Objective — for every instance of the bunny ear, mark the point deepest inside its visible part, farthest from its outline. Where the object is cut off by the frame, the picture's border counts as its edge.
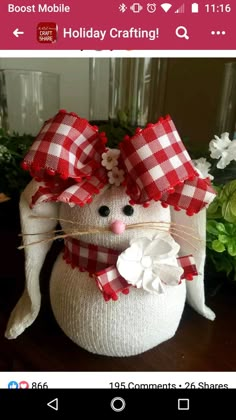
(195, 288)
(27, 308)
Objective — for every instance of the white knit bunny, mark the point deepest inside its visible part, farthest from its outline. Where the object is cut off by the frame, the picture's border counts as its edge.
(119, 288)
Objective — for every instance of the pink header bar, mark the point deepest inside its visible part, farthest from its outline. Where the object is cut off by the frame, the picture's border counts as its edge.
(117, 25)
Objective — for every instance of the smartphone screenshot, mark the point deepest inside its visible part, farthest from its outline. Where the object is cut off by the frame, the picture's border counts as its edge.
(117, 207)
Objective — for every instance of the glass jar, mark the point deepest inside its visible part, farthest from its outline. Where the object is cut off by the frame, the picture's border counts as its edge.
(98, 89)
(133, 86)
(27, 99)
(226, 115)
(137, 88)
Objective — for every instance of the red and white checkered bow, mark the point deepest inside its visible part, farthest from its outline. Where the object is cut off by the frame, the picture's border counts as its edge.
(67, 154)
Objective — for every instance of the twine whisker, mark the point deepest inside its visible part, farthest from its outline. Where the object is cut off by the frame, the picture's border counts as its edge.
(197, 238)
(75, 233)
(156, 226)
(185, 240)
(159, 226)
(99, 230)
(41, 233)
(178, 236)
(163, 223)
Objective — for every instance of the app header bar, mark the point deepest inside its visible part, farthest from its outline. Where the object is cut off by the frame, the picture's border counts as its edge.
(117, 25)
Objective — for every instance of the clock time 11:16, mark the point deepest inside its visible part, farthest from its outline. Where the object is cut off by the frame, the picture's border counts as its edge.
(218, 8)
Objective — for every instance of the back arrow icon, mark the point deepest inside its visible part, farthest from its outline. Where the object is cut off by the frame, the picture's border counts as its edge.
(53, 404)
(16, 32)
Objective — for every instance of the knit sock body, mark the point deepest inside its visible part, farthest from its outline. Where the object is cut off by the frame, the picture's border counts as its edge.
(135, 322)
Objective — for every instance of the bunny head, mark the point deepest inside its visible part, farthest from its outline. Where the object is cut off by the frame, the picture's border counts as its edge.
(111, 221)
(133, 223)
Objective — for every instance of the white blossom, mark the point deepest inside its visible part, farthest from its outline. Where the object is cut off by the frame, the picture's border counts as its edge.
(224, 149)
(203, 168)
(116, 176)
(151, 263)
(110, 158)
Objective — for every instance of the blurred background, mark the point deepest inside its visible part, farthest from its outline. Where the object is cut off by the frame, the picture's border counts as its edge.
(199, 93)
(118, 95)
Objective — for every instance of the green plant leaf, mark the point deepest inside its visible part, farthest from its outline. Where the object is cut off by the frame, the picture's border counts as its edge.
(224, 239)
(227, 212)
(231, 247)
(12, 178)
(221, 227)
(227, 198)
(211, 227)
(230, 229)
(214, 210)
(218, 246)
(227, 190)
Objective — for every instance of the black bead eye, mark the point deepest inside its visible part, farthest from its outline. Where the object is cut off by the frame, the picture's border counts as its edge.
(128, 210)
(104, 211)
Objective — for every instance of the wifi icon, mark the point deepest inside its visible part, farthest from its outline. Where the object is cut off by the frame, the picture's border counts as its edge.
(166, 7)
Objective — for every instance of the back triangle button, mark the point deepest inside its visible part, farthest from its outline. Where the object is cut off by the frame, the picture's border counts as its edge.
(53, 404)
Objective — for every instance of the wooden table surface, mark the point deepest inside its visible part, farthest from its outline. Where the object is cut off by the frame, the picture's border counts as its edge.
(199, 344)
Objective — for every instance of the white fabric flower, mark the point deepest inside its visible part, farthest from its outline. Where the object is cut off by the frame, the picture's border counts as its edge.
(203, 167)
(218, 145)
(224, 149)
(116, 176)
(232, 149)
(150, 263)
(110, 158)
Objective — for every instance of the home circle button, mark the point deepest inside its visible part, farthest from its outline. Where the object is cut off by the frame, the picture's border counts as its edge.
(118, 404)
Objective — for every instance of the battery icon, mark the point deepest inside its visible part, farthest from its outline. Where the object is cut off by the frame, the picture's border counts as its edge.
(194, 8)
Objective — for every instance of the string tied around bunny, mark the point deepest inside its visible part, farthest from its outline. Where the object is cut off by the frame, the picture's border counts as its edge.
(70, 159)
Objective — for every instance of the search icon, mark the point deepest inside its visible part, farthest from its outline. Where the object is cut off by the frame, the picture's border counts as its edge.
(182, 32)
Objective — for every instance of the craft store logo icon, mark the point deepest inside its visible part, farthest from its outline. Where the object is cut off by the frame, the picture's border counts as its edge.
(47, 32)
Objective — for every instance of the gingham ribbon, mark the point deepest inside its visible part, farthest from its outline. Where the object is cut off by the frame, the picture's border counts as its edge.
(66, 158)
(100, 262)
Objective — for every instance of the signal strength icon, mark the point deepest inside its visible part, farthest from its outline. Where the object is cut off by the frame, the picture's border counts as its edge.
(181, 9)
(166, 7)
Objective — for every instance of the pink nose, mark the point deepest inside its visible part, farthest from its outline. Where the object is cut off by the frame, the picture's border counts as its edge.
(118, 227)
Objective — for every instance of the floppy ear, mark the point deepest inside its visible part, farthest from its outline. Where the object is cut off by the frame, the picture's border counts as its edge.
(195, 288)
(27, 308)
